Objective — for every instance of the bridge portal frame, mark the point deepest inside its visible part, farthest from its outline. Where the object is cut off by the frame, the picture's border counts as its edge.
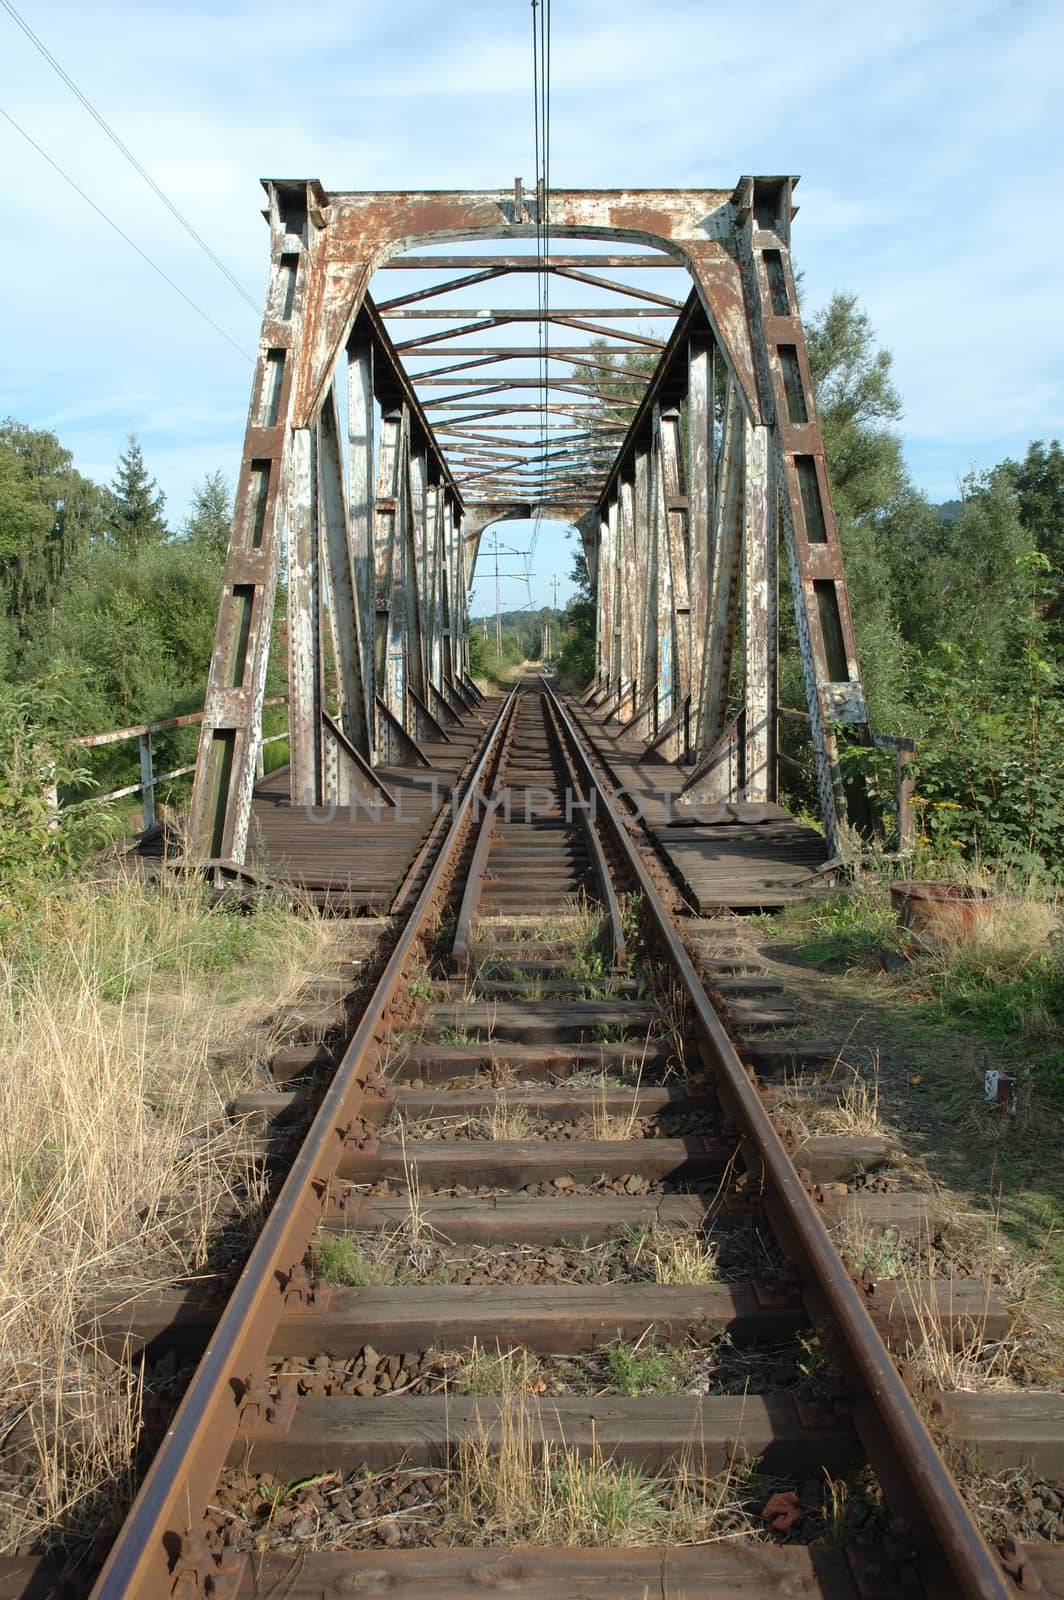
(723, 456)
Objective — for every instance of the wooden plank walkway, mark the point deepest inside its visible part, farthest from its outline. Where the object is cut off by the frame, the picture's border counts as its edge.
(353, 860)
(728, 864)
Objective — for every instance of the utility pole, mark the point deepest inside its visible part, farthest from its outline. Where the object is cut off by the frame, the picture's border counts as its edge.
(498, 613)
(554, 613)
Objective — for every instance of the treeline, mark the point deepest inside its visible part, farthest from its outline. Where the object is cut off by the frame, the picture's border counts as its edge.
(525, 635)
(108, 612)
(959, 615)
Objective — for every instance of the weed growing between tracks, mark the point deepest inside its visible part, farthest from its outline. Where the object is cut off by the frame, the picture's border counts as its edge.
(508, 1489)
(118, 1165)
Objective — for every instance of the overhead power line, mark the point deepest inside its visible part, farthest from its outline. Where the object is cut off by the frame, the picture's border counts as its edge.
(541, 129)
(111, 223)
(130, 157)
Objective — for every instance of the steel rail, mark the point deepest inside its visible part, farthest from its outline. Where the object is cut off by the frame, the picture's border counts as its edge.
(955, 1558)
(594, 844)
(179, 1482)
(474, 885)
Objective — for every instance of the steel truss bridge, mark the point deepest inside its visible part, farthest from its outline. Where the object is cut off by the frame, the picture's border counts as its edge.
(377, 453)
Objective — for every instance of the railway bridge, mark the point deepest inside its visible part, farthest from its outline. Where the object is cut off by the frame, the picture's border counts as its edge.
(549, 1228)
(385, 435)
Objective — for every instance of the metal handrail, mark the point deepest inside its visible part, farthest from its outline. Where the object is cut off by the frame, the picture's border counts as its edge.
(149, 778)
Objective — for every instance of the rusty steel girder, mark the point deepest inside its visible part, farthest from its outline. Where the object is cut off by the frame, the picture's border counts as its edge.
(680, 512)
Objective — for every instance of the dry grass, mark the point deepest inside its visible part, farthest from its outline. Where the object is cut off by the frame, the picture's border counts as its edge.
(1031, 1350)
(606, 1124)
(504, 1120)
(855, 1109)
(819, 1106)
(1011, 933)
(516, 1489)
(117, 1163)
(673, 1257)
(964, 1358)
(501, 1372)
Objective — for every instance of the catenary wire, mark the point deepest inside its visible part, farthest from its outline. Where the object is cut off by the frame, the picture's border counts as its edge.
(130, 157)
(123, 235)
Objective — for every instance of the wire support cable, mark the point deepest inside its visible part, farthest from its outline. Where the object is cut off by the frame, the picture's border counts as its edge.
(111, 223)
(102, 122)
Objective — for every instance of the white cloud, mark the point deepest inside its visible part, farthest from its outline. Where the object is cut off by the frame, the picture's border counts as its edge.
(926, 134)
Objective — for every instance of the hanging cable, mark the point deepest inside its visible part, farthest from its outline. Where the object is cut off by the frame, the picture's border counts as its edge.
(541, 65)
(132, 245)
(130, 157)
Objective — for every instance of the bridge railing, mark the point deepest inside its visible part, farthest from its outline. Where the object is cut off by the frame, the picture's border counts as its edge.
(149, 778)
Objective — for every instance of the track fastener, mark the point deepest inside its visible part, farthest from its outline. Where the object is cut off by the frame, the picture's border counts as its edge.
(306, 1290)
(1019, 1568)
(200, 1573)
(262, 1413)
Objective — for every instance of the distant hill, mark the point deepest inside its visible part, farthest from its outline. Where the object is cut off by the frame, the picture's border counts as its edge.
(950, 510)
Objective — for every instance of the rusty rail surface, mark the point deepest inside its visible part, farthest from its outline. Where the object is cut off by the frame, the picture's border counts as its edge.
(179, 1481)
(955, 1558)
(161, 1551)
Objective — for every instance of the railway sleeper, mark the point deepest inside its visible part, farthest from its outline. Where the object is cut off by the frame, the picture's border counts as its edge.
(516, 1163)
(546, 1318)
(788, 1436)
(590, 1219)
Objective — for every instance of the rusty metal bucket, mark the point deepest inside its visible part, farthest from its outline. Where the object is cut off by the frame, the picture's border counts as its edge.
(940, 913)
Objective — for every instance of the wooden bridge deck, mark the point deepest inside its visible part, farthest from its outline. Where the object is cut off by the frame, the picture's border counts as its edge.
(728, 864)
(355, 859)
(351, 861)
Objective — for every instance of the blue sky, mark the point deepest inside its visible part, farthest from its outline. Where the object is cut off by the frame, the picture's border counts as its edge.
(927, 136)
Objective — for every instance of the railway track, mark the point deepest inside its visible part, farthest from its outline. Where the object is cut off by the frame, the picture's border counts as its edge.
(543, 1239)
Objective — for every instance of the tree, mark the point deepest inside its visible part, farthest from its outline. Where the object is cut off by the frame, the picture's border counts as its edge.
(1038, 482)
(576, 657)
(857, 406)
(210, 519)
(975, 568)
(618, 389)
(135, 510)
(48, 513)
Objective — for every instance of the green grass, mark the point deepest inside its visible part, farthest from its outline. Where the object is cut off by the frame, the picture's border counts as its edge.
(938, 1021)
(851, 928)
(639, 1370)
(1005, 982)
(346, 1261)
(457, 1036)
(343, 1263)
(275, 756)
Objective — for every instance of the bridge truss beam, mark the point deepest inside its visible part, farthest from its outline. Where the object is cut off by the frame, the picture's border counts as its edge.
(378, 517)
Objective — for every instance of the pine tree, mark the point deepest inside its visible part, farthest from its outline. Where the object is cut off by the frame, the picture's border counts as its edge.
(209, 521)
(135, 513)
